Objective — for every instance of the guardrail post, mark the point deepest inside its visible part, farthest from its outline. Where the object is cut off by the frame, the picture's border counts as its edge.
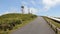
(58, 31)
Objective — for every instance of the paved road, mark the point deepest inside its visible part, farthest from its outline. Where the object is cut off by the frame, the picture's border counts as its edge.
(38, 26)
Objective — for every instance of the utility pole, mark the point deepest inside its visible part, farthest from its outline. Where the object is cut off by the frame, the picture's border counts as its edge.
(22, 8)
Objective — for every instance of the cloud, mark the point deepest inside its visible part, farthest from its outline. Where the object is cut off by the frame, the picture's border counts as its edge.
(34, 10)
(49, 4)
(31, 10)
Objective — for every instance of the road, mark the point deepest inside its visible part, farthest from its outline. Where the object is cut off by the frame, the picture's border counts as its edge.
(38, 26)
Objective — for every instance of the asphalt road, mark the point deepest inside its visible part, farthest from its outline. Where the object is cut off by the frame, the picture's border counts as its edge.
(38, 26)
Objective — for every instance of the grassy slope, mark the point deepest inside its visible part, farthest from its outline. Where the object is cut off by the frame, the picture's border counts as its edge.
(53, 22)
(15, 16)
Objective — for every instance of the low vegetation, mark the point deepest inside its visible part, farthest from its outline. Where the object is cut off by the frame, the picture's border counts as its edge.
(11, 21)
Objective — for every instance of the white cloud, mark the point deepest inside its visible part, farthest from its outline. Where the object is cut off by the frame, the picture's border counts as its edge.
(31, 10)
(50, 3)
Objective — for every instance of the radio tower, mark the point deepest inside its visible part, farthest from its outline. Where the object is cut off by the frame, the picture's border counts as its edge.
(22, 8)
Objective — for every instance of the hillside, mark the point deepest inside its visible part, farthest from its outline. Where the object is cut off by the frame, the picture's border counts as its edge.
(14, 16)
(9, 21)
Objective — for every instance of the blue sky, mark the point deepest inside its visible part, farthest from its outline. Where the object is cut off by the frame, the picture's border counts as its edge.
(38, 7)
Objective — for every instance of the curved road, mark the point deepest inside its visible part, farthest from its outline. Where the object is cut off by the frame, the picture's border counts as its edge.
(38, 26)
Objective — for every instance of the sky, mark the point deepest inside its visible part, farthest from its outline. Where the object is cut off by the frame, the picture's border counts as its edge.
(38, 7)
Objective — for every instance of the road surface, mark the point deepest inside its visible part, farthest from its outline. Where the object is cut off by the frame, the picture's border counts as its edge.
(38, 26)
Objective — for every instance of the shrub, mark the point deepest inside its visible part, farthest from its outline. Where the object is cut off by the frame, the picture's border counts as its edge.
(10, 27)
(5, 26)
(14, 23)
(18, 22)
(0, 27)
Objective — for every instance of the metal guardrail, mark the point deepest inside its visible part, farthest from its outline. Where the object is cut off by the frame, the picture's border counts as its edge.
(57, 30)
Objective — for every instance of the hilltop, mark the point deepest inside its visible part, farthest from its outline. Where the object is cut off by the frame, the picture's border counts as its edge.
(12, 20)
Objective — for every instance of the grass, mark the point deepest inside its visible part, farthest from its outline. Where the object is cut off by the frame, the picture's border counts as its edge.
(21, 25)
(8, 18)
(53, 22)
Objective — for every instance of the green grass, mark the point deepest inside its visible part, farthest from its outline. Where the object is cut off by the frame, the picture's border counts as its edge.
(12, 18)
(53, 22)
